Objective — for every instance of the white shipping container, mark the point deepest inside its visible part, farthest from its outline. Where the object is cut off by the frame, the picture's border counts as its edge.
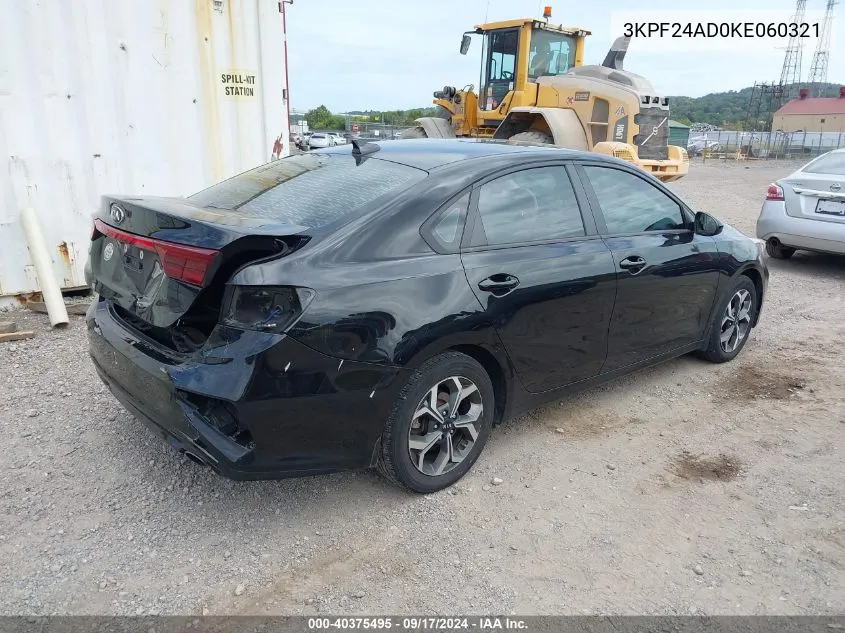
(153, 97)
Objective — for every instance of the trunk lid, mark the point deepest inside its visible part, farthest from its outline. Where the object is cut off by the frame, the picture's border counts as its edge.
(813, 193)
(164, 262)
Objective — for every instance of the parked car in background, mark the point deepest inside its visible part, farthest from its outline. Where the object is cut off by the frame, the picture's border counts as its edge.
(806, 210)
(303, 142)
(339, 139)
(697, 147)
(320, 139)
(273, 325)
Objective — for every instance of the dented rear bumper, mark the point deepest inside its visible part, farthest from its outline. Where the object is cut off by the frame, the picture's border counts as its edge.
(251, 405)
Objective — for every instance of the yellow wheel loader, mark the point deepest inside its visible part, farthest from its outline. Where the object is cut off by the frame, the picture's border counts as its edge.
(535, 89)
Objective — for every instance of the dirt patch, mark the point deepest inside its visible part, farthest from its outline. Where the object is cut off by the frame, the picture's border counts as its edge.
(701, 467)
(583, 422)
(752, 383)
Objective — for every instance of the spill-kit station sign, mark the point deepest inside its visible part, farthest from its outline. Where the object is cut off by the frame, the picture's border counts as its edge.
(239, 84)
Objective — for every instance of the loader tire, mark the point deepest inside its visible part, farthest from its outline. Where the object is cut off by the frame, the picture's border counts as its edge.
(416, 132)
(531, 136)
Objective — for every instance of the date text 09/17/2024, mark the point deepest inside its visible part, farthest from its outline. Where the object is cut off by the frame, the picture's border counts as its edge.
(418, 623)
(721, 29)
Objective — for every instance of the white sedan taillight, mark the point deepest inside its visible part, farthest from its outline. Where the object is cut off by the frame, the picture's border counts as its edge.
(774, 193)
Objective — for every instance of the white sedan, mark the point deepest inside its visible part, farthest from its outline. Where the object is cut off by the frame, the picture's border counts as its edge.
(806, 210)
(320, 139)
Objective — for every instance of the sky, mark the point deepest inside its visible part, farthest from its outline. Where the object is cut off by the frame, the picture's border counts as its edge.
(382, 55)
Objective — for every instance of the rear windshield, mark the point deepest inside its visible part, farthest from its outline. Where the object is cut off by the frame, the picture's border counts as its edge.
(831, 164)
(311, 190)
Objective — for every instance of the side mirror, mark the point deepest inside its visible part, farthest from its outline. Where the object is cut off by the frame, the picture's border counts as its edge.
(465, 42)
(707, 225)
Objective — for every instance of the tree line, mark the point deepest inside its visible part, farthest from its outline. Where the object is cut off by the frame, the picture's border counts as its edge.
(321, 118)
(728, 110)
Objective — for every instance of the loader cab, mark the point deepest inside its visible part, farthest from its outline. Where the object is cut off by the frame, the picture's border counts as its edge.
(515, 54)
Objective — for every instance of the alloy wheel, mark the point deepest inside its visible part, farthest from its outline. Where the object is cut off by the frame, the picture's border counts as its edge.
(736, 321)
(443, 428)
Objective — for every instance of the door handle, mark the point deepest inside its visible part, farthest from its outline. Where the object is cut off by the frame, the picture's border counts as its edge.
(498, 283)
(633, 264)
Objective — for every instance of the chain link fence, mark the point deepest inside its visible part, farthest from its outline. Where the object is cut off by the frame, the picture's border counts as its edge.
(381, 131)
(763, 145)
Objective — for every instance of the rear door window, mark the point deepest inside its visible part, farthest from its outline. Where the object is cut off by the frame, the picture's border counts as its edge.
(531, 205)
(310, 190)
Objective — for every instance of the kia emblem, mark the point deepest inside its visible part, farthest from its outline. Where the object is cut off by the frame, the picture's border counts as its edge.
(835, 186)
(117, 213)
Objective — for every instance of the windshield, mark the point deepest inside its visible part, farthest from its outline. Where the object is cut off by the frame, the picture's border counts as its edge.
(551, 53)
(833, 164)
(310, 190)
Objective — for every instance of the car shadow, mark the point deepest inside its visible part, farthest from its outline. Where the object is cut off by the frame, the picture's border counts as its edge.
(809, 263)
(147, 462)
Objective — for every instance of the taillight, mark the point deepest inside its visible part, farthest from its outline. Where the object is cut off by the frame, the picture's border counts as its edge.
(775, 193)
(183, 263)
(264, 308)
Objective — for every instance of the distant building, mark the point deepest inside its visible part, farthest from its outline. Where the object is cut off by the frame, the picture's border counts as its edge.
(678, 134)
(811, 114)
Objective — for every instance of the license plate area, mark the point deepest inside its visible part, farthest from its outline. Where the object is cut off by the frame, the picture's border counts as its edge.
(126, 266)
(133, 258)
(830, 207)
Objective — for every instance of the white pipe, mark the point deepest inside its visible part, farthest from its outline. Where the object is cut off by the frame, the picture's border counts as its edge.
(50, 290)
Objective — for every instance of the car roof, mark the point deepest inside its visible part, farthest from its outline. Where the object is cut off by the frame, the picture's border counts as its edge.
(429, 154)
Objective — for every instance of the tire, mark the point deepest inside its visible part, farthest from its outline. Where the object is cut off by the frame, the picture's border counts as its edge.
(717, 351)
(437, 375)
(532, 136)
(416, 132)
(779, 252)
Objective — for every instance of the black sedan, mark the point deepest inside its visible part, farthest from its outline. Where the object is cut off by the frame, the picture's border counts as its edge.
(385, 306)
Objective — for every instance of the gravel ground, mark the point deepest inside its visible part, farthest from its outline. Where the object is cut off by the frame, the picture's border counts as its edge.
(686, 488)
